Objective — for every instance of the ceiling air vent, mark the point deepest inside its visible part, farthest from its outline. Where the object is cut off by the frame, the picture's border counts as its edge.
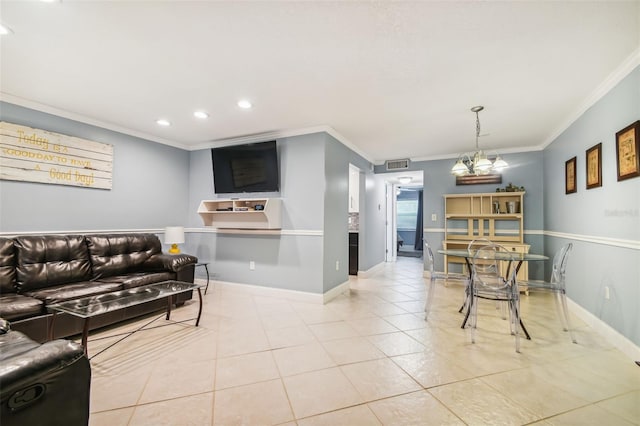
(397, 164)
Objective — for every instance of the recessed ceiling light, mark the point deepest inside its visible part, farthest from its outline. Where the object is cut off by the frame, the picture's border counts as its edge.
(163, 122)
(200, 114)
(4, 30)
(244, 104)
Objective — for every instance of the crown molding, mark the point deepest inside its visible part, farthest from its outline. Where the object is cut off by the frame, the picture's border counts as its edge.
(623, 70)
(501, 151)
(284, 133)
(48, 109)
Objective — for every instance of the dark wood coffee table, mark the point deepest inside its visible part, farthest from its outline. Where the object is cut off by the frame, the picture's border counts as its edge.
(92, 306)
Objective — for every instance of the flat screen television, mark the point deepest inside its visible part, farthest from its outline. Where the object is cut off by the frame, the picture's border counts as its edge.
(246, 168)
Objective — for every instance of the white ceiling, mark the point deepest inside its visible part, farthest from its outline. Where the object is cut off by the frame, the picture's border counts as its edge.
(390, 79)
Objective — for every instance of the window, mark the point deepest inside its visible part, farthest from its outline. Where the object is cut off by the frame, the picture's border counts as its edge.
(407, 212)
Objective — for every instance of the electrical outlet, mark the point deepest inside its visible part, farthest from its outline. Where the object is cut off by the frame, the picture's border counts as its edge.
(434, 217)
(607, 295)
(252, 265)
(337, 265)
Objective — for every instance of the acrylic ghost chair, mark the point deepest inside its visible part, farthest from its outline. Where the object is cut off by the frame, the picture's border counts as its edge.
(556, 285)
(488, 283)
(434, 276)
(485, 269)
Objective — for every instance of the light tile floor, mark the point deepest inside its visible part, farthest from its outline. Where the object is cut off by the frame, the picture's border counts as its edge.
(366, 358)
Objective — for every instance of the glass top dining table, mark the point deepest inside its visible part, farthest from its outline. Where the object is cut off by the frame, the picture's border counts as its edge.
(510, 256)
(494, 255)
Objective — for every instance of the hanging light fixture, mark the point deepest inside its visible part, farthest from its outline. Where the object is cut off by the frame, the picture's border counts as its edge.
(477, 163)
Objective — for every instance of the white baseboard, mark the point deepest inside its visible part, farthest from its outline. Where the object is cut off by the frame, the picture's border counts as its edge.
(612, 336)
(335, 292)
(293, 295)
(369, 272)
(623, 344)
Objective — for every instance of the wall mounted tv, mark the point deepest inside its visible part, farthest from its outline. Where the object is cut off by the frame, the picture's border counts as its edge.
(246, 168)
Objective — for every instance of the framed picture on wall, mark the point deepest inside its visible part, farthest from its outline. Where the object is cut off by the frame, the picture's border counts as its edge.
(594, 166)
(570, 176)
(627, 150)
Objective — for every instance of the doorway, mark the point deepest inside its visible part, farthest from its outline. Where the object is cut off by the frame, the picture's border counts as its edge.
(404, 223)
(409, 221)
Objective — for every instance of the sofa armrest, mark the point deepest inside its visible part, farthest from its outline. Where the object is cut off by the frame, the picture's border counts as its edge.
(170, 262)
(50, 381)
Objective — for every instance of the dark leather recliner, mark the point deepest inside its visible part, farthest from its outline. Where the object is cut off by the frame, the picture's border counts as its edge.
(46, 384)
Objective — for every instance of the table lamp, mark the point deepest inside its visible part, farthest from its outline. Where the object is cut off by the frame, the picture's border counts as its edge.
(174, 235)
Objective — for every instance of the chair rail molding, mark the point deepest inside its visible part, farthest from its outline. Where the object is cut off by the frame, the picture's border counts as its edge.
(615, 242)
(290, 232)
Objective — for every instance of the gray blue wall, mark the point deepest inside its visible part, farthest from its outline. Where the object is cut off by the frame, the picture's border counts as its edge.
(150, 185)
(525, 170)
(314, 172)
(293, 261)
(603, 223)
(156, 185)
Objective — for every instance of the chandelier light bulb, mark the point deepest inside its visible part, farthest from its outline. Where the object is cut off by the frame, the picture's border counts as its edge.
(459, 169)
(500, 164)
(477, 163)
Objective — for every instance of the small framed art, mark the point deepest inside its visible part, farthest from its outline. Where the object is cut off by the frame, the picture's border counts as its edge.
(627, 151)
(570, 176)
(594, 166)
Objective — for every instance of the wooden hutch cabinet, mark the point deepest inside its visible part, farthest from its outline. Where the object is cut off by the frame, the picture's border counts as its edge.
(497, 216)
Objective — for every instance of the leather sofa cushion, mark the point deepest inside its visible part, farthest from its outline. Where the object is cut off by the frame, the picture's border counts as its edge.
(7, 266)
(120, 254)
(138, 279)
(65, 292)
(48, 260)
(16, 306)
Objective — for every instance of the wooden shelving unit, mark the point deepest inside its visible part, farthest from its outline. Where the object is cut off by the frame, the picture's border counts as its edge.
(244, 213)
(471, 216)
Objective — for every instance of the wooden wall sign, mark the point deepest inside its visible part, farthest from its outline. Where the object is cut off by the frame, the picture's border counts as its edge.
(35, 155)
(479, 179)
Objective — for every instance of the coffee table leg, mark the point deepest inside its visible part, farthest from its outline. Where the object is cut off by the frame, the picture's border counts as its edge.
(169, 300)
(85, 335)
(200, 306)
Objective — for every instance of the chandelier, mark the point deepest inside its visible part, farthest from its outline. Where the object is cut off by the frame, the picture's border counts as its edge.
(477, 163)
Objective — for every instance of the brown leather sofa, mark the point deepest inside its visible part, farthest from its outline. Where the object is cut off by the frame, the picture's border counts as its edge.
(36, 271)
(46, 384)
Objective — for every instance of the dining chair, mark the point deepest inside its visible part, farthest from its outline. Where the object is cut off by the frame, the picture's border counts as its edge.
(490, 269)
(557, 286)
(433, 276)
(488, 283)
